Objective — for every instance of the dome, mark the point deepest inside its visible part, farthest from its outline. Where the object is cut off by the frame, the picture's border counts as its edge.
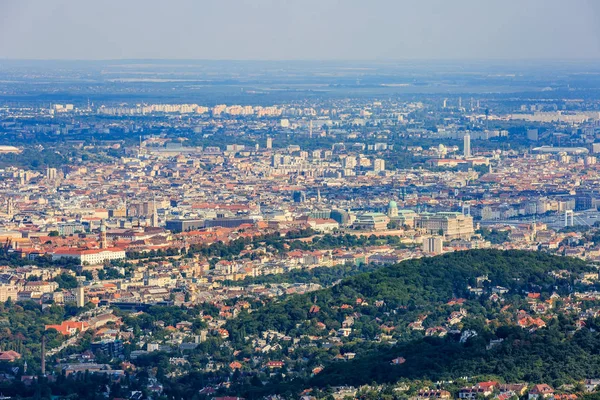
(392, 204)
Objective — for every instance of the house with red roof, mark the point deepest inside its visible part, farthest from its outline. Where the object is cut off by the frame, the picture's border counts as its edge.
(9, 356)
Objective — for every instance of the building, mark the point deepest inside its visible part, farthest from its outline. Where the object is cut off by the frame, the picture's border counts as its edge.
(467, 146)
(540, 391)
(452, 225)
(80, 296)
(405, 218)
(433, 245)
(349, 163)
(228, 222)
(557, 150)
(299, 196)
(392, 210)
(89, 256)
(433, 394)
(8, 292)
(112, 348)
(371, 221)
(323, 225)
(70, 228)
(378, 165)
(51, 174)
(184, 225)
(269, 143)
(40, 287)
(69, 328)
(532, 134)
(103, 242)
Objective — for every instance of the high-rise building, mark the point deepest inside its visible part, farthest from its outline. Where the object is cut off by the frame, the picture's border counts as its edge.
(379, 165)
(467, 146)
(349, 162)
(433, 245)
(51, 174)
(269, 143)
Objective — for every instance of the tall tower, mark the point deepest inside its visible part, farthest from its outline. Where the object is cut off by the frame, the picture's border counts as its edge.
(80, 296)
(310, 129)
(269, 143)
(467, 146)
(43, 355)
(103, 241)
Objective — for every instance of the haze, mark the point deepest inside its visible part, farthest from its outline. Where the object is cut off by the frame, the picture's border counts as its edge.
(300, 30)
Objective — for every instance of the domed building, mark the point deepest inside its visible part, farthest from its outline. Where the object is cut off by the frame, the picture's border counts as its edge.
(392, 210)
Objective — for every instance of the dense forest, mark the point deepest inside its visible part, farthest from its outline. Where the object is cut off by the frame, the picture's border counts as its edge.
(557, 355)
(411, 286)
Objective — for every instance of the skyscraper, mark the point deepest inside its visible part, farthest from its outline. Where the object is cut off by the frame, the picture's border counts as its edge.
(467, 146)
(269, 143)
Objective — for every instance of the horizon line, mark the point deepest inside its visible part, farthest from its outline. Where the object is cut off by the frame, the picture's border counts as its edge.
(371, 60)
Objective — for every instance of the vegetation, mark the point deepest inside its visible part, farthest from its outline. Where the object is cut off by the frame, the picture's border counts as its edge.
(493, 235)
(413, 286)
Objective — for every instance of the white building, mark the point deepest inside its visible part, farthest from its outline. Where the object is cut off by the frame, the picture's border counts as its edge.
(467, 146)
(89, 256)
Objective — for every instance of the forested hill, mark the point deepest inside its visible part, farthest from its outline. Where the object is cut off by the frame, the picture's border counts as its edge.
(414, 286)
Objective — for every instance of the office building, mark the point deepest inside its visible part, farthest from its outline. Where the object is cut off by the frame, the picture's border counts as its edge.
(467, 146)
(433, 245)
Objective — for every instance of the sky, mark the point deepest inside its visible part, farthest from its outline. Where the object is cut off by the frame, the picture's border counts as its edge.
(300, 29)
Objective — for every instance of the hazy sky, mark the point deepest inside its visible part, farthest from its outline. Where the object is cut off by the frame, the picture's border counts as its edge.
(300, 29)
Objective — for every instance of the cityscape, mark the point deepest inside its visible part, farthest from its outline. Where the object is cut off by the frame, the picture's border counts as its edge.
(273, 227)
